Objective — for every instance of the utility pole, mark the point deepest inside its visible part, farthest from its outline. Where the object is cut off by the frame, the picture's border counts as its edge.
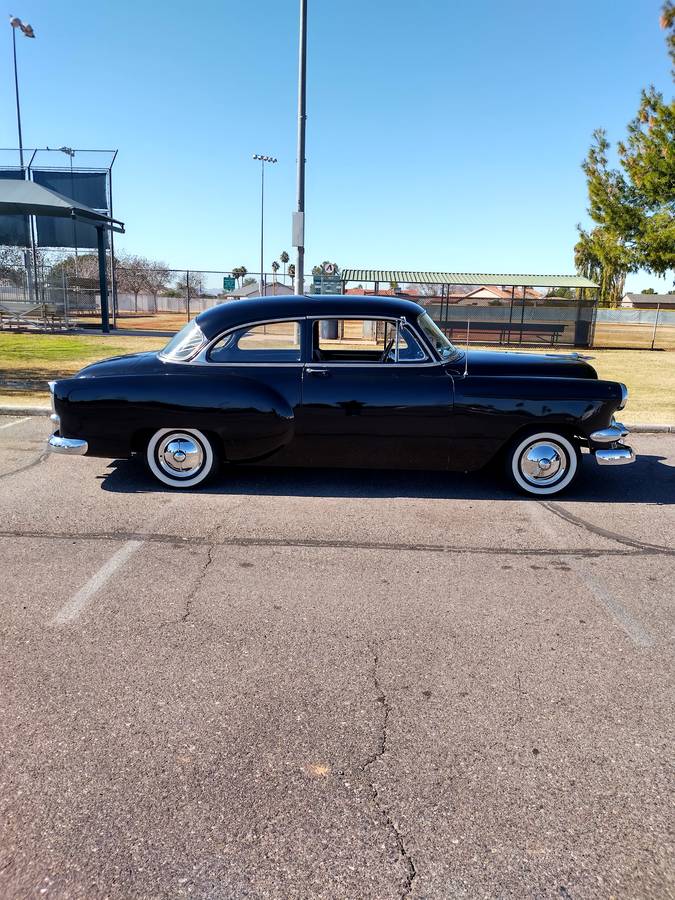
(299, 215)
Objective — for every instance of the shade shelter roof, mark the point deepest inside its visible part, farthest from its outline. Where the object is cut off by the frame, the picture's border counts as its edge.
(477, 278)
(26, 198)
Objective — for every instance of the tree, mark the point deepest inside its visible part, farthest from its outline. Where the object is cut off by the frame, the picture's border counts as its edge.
(284, 257)
(248, 281)
(157, 277)
(291, 270)
(563, 292)
(275, 269)
(11, 265)
(633, 207)
(190, 281)
(131, 273)
(648, 291)
(240, 273)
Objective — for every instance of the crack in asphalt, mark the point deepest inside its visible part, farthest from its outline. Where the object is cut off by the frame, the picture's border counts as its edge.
(379, 751)
(36, 462)
(597, 530)
(638, 548)
(187, 612)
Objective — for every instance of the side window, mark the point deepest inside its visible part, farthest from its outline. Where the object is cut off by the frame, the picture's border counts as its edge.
(270, 342)
(363, 340)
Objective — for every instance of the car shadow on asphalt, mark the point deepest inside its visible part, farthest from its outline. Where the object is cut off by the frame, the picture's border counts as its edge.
(648, 480)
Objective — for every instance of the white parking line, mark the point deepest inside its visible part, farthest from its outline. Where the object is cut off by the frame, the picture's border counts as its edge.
(634, 629)
(72, 610)
(15, 422)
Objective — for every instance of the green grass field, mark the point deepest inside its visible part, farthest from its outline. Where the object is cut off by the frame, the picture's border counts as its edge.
(650, 376)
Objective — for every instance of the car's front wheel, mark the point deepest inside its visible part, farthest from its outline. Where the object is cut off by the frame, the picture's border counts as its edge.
(181, 457)
(542, 464)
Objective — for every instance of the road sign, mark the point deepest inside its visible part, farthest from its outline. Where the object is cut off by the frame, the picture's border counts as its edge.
(229, 284)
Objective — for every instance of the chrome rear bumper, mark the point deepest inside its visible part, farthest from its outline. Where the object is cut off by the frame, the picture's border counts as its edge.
(70, 446)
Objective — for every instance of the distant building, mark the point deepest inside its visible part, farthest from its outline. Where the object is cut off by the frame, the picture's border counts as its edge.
(248, 291)
(648, 301)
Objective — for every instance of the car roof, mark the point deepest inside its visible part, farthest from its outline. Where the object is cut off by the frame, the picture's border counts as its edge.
(240, 312)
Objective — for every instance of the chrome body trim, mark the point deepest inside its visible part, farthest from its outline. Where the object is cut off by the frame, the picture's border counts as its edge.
(69, 446)
(615, 432)
(615, 456)
(201, 358)
(624, 396)
(56, 419)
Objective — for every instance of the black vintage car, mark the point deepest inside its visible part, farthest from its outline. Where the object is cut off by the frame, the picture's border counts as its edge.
(339, 381)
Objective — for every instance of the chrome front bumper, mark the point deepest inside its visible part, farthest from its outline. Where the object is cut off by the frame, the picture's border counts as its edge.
(617, 455)
(70, 446)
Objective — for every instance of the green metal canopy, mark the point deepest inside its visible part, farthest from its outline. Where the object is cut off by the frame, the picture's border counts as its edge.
(26, 198)
(386, 275)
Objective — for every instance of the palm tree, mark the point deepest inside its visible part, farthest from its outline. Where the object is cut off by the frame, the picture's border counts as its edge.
(284, 257)
(291, 270)
(275, 269)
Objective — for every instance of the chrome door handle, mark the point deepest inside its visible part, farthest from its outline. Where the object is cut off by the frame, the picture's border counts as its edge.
(316, 370)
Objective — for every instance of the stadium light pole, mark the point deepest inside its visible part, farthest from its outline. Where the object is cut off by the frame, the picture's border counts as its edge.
(15, 23)
(299, 216)
(263, 159)
(27, 30)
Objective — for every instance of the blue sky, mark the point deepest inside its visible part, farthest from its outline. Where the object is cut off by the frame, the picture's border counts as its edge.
(441, 135)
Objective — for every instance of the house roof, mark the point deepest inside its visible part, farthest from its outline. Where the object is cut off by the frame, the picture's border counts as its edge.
(652, 299)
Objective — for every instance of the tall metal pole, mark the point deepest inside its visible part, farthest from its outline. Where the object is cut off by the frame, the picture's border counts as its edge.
(16, 90)
(299, 229)
(262, 226)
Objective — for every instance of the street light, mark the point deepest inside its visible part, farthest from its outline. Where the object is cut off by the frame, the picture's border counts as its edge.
(28, 32)
(263, 159)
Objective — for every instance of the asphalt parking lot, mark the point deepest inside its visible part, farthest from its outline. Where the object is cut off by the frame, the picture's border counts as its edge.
(334, 684)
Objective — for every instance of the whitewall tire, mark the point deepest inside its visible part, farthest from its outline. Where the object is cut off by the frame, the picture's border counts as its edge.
(181, 457)
(543, 463)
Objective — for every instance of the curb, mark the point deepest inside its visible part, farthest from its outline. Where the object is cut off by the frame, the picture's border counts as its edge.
(46, 411)
(25, 410)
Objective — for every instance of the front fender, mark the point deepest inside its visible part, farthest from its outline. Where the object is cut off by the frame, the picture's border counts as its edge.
(490, 410)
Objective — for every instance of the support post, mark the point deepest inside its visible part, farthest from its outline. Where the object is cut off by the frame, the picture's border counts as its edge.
(656, 322)
(103, 279)
(302, 120)
(187, 290)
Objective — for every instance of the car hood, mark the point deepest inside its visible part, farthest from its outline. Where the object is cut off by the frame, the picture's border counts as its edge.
(539, 365)
(131, 364)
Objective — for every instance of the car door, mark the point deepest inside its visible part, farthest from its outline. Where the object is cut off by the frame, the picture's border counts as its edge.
(256, 373)
(365, 403)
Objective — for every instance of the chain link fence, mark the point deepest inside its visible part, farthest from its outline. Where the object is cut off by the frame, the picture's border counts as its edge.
(62, 298)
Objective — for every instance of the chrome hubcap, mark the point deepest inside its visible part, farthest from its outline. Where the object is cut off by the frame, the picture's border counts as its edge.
(543, 462)
(180, 455)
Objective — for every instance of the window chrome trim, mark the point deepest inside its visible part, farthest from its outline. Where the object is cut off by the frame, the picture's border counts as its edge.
(201, 359)
(429, 358)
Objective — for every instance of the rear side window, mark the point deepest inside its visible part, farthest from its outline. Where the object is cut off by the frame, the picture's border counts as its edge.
(269, 342)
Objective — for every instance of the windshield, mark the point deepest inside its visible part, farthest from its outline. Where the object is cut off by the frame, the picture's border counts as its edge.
(436, 338)
(184, 344)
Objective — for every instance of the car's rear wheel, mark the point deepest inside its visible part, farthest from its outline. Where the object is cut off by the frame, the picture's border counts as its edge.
(181, 457)
(543, 463)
